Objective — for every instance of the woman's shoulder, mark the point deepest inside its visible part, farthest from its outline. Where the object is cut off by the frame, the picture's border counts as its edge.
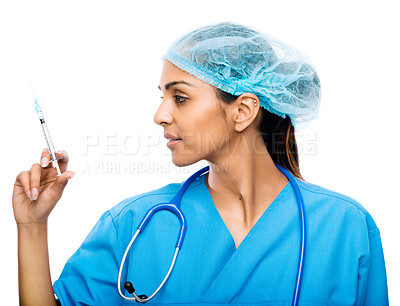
(325, 201)
(141, 203)
(144, 201)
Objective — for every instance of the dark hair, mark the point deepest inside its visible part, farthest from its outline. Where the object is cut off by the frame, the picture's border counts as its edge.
(278, 135)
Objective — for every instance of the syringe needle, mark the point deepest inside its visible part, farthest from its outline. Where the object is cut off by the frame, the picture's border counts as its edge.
(30, 85)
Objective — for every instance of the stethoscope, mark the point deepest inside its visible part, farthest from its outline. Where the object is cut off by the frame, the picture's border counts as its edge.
(174, 206)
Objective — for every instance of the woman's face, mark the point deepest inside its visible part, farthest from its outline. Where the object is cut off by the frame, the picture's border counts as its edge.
(191, 112)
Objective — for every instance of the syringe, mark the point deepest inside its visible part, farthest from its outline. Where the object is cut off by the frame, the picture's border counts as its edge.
(46, 134)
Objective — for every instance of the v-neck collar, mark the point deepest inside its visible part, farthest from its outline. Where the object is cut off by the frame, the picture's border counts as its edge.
(213, 209)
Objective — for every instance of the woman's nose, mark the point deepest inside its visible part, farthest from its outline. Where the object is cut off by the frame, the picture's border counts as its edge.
(163, 114)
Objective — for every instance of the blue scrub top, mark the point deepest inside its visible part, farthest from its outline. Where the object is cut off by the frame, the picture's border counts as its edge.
(344, 261)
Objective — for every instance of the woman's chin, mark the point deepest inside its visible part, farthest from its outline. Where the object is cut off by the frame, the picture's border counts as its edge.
(181, 161)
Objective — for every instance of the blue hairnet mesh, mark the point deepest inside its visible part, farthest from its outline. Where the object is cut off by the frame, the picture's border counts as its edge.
(239, 59)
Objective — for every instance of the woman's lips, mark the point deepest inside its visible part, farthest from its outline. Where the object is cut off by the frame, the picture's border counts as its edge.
(172, 143)
(172, 139)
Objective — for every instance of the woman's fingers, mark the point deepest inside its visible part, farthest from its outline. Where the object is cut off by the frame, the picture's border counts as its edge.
(41, 186)
(45, 158)
(24, 179)
(36, 173)
(61, 182)
(62, 159)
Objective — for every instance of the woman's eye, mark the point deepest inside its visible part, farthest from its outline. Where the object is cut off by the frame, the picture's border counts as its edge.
(179, 99)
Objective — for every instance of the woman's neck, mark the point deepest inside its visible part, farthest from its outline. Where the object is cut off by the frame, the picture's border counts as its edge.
(245, 180)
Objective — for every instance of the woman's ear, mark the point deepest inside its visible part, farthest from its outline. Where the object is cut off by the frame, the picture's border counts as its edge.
(247, 109)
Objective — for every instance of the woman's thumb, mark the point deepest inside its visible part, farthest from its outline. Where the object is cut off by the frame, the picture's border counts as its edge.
(62, 181)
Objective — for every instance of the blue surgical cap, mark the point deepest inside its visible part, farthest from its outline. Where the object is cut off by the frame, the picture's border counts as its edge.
(239, 59)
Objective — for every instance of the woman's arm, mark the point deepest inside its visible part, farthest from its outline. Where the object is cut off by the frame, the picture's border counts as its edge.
(372, 279)
(90, 275)
(36, 192)
(35, 286)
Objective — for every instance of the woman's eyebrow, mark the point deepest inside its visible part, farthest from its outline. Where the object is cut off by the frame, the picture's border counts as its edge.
(170, 84)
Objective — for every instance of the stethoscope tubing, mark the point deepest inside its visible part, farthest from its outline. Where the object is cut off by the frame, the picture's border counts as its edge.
(135, 296)
(300, 204)
(174, 207)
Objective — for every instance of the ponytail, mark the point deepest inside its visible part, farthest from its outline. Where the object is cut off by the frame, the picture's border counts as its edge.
(280, 140)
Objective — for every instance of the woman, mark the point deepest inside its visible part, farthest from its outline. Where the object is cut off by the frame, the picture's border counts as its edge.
(231, 96)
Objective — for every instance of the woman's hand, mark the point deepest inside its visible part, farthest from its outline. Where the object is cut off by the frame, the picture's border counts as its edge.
(37, 191)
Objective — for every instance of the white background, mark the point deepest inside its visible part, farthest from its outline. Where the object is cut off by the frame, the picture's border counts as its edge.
(95, 67)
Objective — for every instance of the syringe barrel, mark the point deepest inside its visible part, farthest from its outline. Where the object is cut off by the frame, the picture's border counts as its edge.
(48, 139)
